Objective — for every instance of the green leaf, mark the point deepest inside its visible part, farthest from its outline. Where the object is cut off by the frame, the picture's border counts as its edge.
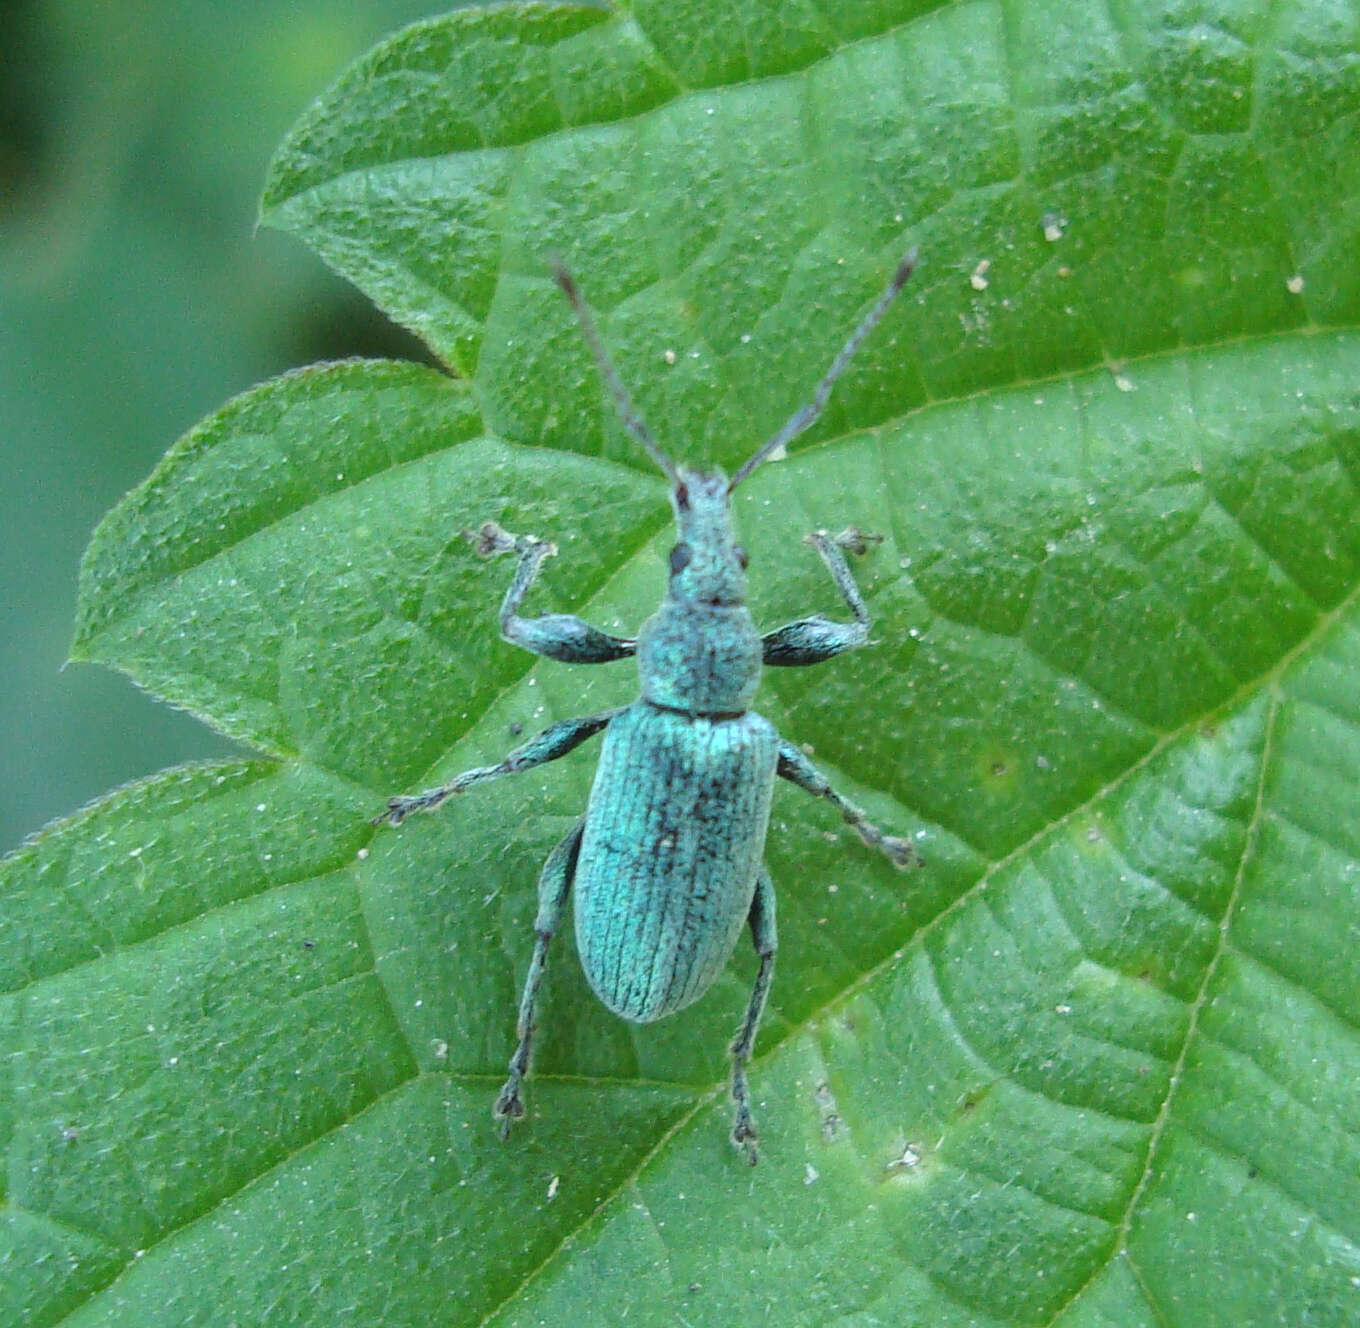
(1096, 1063)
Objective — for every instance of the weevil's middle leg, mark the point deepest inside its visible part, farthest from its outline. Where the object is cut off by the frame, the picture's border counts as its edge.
(764, 936)
(556, 740)
(817, 638)
(797, 769)
(554, 885)
(561, 636)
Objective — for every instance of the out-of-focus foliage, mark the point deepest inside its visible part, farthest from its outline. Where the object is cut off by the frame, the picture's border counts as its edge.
(134, 295)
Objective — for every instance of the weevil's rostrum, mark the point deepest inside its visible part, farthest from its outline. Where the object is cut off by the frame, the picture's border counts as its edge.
(666, 866)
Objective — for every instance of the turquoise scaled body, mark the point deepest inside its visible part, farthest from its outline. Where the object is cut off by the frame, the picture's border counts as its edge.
(665, 868)
(672, 844)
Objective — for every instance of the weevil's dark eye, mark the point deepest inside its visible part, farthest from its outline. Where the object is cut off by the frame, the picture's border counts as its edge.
(682, 498)
(743, 557)
(680, 558)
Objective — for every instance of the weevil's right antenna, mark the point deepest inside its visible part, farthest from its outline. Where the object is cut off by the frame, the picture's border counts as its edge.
(807, 416)
(623, 403)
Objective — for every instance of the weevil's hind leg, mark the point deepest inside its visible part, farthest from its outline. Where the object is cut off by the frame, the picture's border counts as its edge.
(560, 636)
(764, 937)
(812, 640)
(556, 740)
(797, 769)
(554, 885)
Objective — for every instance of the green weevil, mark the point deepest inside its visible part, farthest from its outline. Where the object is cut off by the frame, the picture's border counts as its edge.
(666, 865)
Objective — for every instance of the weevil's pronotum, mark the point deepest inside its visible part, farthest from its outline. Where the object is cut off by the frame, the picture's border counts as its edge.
(666, 865)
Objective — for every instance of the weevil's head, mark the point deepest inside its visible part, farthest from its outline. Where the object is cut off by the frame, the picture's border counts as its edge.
(700, 651)
(707, 565)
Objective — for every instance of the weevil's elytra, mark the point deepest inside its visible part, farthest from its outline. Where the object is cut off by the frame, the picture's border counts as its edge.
(664, 879)
(666, 866)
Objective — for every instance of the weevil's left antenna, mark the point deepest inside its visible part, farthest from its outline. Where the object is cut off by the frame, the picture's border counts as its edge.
(623, 403)
(807, 416)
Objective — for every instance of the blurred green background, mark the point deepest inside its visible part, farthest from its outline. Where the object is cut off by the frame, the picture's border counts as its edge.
(135, 297)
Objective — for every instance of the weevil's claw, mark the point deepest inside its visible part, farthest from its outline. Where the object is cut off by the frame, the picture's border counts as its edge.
(398, 809)
(490, 539)
(744, 1136)
(856, 541)
(901, 852)
(509, 1107)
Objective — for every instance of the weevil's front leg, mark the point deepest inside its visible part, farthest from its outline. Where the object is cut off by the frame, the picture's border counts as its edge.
(766, 942)
(561, 636)
(554, 884)
(812, 640)
(556, 740)
(797, 769)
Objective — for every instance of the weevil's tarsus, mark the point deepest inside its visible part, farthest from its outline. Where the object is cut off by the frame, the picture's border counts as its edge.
(744, 1132)
(765, 938)
(490, 540)
(629, 414)
(797, 769)
(806, 416)
(852, 539)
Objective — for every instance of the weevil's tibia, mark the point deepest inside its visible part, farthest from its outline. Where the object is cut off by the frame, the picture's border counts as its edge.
(554, 885)
(812, 640)
(797, 769)
(806, 417)
(766, 941)
(561, 636)
(556, 740)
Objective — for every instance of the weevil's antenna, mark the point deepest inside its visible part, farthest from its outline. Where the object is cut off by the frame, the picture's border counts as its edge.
(807, 416)
(623, 403)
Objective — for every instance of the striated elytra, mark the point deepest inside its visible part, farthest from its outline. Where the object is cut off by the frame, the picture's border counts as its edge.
(665, 867)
